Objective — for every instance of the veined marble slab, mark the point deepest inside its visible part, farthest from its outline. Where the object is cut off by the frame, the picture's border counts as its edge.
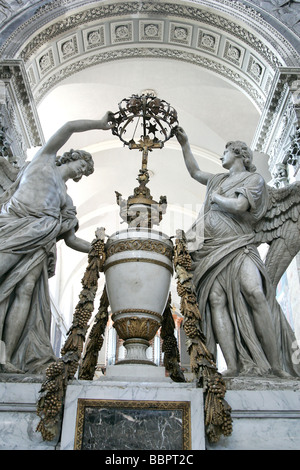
(133, 391)
(265, 412)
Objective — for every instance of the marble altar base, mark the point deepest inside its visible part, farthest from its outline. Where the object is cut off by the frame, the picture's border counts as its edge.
(265, 413)
(111, 414)
(18, 418)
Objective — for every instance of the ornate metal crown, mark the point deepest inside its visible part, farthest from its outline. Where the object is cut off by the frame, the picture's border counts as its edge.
(156, 117)
(158, 122)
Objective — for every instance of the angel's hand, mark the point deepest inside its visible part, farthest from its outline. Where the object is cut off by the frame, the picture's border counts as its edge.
(108, 120)
(214, 195)
(181, 136)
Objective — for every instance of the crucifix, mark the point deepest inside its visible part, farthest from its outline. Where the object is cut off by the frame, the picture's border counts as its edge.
(158, 121)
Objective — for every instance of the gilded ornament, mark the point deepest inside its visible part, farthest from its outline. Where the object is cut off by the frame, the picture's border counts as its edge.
(169, 346)
(50, 403)
(136, 327)
(218, 419)
(137, 245)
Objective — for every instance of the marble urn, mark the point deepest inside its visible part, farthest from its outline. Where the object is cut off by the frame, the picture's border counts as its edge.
(138, 272)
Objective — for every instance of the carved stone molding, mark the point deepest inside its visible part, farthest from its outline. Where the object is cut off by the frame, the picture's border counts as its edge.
(280, 175)
(292, 155)
(140, 245)
(104, 12)
(17, 110)
(287, 12)
(186, 10)
(238, 79)
(230, 38)
(240, 40)
(280, 118)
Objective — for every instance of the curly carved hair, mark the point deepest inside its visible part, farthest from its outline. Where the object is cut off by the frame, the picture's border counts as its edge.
(242, 150)
(74, 155)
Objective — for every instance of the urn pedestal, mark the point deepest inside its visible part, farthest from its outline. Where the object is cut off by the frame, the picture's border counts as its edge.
(138, 272)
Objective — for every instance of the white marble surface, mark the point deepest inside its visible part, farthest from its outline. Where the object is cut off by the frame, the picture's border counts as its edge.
(18, 418)
(266, 413)
(137, 373)
(263, 420)
(137, 281)
(118, 390)
(132, 285)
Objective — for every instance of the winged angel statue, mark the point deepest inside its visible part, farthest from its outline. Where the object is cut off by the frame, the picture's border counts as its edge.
(236, 291)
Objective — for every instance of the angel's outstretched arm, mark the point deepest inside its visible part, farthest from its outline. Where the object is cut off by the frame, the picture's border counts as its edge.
(190, 161)
(65, 132)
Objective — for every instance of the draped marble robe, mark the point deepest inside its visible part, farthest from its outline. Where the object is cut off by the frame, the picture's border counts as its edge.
(33, 233)
(228, 239)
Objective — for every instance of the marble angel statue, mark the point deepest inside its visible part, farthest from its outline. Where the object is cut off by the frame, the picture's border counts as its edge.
(35, 212)
(236, 291)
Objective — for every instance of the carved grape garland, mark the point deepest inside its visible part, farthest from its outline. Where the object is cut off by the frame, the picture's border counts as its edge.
(52, 394)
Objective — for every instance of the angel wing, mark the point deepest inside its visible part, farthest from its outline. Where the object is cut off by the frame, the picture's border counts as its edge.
(8, 174)
(280, 228)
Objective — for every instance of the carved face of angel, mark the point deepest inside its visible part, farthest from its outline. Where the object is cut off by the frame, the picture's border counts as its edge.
(74, 164)
(228, 158)
(238, 153)
(76, 169)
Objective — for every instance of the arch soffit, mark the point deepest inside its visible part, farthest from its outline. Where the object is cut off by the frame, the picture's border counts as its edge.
(184, 31)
